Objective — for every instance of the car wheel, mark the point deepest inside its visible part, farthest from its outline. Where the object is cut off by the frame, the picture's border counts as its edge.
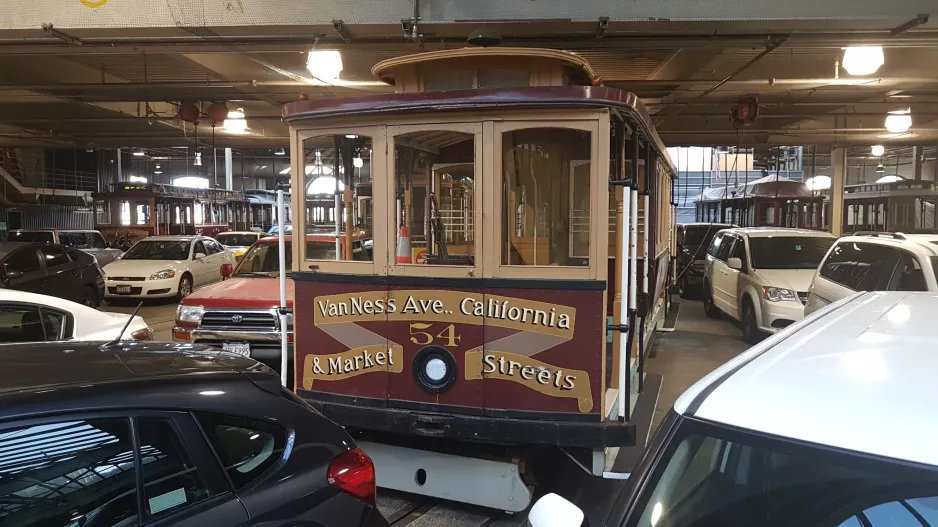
(710, 309)
(751, 333)
(185, 287)
(89, 297)
(684, 292)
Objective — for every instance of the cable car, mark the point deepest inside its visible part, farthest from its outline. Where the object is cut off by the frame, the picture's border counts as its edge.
(130, 211)
(771, 201)
(899, 206)
(517, 208)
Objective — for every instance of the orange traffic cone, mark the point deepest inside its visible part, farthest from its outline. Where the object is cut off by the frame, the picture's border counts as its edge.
(404, 255)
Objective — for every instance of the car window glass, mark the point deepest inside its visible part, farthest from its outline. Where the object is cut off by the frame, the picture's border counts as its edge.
(909, 275)
(170, 480)
(71, 474)
(739, 251)
(78, 240)
(97, 241)
(211, 247)
(709, 479)
(24, 260)
(54, 256)
(21, 323)
(247, 448)
(715, 246)
(859, 266)
(53, 323)
(726, 248)
(30, 236)
(199, 248)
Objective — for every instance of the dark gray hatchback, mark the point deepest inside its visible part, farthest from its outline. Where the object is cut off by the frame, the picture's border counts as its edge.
(168, 434)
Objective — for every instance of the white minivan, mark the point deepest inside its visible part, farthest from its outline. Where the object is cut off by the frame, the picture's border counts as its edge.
(875, 262)
(760, 276)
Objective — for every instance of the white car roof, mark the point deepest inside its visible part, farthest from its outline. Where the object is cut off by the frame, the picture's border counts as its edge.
(857, 375)
(766, 232)
(10, 295)
(920, 244)
(173, 238)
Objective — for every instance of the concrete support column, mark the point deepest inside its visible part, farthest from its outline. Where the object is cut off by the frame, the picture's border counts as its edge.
(838, 177)
(228, 170)
(120, 170)
(917, 162)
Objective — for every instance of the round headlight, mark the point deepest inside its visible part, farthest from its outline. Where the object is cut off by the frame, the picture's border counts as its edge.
(434, 369)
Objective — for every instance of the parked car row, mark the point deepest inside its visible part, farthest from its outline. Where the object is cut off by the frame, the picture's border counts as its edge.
(769, 278)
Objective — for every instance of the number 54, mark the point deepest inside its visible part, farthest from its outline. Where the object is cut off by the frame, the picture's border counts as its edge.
(422, 338)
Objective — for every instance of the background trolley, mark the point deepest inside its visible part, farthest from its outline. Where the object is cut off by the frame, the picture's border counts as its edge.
(514, 204)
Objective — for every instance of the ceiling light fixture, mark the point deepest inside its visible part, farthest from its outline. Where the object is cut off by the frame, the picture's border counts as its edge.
(878, 150)
(863, 60)
(358, 162)
(235, 123)
(899, 121)
(198, 159)
(324, 64)
(280, 152)
(157, 171)
(818, 183)
(880, 168)
(139, 152)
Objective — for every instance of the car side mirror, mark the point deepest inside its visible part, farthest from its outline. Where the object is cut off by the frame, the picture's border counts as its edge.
(226, 271)
(555, 511)
(198, 255)
(734, 263)
(11, 274)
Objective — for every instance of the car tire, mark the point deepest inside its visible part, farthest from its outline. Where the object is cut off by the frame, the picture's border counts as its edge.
(89, 297)
(685, 293)
(750, 326)
(710, 309)
(185, 287)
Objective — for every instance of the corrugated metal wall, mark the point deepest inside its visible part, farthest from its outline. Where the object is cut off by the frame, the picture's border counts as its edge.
(48, 217)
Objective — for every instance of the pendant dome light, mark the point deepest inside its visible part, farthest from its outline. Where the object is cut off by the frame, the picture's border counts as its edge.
(878, 150)
(863, 60)
(324, 64)
(899, 121)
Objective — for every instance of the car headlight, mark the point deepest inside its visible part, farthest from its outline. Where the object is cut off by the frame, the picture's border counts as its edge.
(163, 275)
(190, 314)
(776, 294)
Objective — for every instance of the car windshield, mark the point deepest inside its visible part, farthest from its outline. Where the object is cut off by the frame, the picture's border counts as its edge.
(714, 477)
(236, 240)
(700, 235)
(158, 250)
(29, 236)
(788, 252)
(264, 259)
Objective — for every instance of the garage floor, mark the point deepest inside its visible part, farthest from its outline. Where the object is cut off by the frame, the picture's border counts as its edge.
(696, 347)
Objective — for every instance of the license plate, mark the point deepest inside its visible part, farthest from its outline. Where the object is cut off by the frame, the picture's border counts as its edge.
(241, 348)
(123, 289)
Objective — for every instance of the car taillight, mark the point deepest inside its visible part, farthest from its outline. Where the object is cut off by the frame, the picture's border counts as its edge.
(142, 334)
(354, 473)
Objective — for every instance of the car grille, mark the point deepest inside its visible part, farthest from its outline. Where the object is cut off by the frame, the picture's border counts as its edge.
(803, 296)
(127, 278)
(244, 321)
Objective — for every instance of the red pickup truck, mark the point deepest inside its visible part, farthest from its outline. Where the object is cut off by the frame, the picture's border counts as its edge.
(239, 314)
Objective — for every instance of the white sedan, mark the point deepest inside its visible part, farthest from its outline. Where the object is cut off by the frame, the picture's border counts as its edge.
(28, 317)
(166, 267)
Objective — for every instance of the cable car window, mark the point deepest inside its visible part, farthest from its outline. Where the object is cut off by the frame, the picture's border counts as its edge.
(337, 173)
(545, 221)
(434, 189)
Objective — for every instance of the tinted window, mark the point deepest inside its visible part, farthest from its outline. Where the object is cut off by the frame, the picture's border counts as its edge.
(30, 236)
(700, 234)
(246, 448)
(69, 474)
(860, 266)
(77, 240)
(24, 260)
(908, 275)
(170, 480)
(739, 251)
(28, 323)
(236, 240)
(726, 247)
(212, 247)
(54, 256)
(199, 248)
(97, 241)
(738, 480)
(788, 252)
